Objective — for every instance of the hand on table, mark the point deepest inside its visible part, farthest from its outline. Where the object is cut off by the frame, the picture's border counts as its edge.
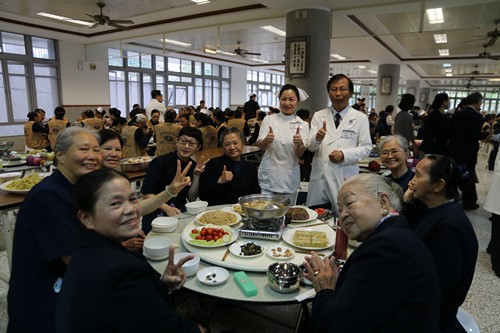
(174, 276)
(136, 243)
(336, 156)
(170, 210)
(323, 273)
(320, 135)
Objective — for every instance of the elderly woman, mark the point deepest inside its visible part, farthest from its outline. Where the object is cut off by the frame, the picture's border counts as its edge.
(447, 231)
(228, 177)
(282, 137)
(110, 211)
(389, 284)
(45, 233)
(394, 152)
(161, 171)
(35, 133)
(136, 136)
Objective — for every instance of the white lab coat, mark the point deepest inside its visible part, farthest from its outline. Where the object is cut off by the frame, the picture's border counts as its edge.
(352, 137)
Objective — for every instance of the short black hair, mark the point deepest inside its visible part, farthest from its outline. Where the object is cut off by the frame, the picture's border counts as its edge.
(108, 134)
(155, 93)
(407, 102)
(447, 169)
(193, 132)
(338, 77)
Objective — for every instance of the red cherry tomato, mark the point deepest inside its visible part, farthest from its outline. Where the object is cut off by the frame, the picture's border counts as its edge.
(216, 237)
(194, 231)
(208, 238)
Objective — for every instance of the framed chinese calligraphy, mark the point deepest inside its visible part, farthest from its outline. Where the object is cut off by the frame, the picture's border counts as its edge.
(385, 87)
(297, 57)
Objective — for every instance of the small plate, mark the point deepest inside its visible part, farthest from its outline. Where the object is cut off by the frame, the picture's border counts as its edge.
(330, 236)
(278, 252)
(13, 163)
(199, 216)
(212, 276)
(154, 258)
(235, 250)
(186, 236)
(312, 215)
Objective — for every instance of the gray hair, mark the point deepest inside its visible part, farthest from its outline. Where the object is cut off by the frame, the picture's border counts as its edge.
(376, 184)
(402, 141)
(232, 130)
(140, 118)
(66, 139)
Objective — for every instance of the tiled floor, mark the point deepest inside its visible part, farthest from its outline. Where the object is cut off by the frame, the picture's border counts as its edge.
(483, 300)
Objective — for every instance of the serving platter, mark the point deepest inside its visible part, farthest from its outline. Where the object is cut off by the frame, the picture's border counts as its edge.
(330, 236)
(13, 163)
(186, 237)
(4, 185)
(312, 215)
(200, 215)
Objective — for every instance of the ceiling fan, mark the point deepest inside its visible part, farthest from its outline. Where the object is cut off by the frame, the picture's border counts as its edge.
(102, 19)
(487, 55)
(243, 53)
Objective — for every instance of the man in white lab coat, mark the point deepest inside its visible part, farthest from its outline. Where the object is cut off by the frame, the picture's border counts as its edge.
(340, 138)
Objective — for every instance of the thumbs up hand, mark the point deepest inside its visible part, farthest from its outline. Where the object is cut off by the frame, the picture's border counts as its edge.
(320, 135)
(269, 137)
(226, 176)
(297, 139)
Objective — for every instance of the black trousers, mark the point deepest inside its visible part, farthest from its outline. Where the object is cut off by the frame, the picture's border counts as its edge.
(468, 187)
(494, 246)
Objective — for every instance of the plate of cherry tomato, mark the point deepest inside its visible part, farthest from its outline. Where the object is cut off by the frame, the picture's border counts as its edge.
(209, 236)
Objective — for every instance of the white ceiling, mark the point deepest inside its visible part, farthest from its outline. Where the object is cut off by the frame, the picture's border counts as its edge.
(366, 32)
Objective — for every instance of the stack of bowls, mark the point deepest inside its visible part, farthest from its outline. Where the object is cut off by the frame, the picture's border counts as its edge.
(284, 277)
(196, 207)
(165, 224)
(156, 248)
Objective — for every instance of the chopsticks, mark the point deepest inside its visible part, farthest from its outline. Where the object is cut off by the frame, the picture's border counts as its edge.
(224, 257)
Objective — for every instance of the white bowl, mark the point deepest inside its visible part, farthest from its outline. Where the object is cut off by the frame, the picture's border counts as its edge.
(6, 177)
(191, 266)
(212, 276)
(165, 224)
(196, 207)
(156, 248)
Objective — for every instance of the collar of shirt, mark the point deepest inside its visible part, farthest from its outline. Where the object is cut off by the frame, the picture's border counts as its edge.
(342, 113)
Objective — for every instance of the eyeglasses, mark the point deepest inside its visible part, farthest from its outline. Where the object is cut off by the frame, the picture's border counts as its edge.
(390, 152)
(341, 89)
(190, 143)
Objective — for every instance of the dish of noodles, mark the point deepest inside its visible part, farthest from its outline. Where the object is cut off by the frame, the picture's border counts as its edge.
(22, 185)
(218, 218)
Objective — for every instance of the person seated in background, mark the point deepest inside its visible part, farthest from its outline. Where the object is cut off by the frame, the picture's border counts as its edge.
(220, 124)
(136, 136)
(155, 119)
(166, 133)
(106, 287)
(119, 124)
(208, 132)
(184, 120)
(35, 134)
(162, 170)
(446, 231)
(374, 134)
(256, 127)
(239, 122)
(91, 122)
(56, 125)
(228, 177)
(385, 121)
(389, 283)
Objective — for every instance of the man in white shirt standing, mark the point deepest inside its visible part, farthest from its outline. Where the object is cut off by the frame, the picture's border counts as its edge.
(156, 103)
(340, 138)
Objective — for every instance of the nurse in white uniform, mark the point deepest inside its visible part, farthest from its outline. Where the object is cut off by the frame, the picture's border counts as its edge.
(283, 138)
(340, 138)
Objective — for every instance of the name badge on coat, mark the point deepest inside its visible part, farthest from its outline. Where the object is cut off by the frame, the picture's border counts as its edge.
(348, 134)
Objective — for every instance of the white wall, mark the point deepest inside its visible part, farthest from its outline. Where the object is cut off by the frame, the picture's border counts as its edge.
(86, 87)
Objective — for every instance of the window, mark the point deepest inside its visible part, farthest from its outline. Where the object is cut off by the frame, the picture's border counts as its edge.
(264, 85)
(29, 79)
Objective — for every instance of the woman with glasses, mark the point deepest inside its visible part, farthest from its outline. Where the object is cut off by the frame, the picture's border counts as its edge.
(228, 177)
(162, 170)
(283, 138)
(394, 152)
(447, 232)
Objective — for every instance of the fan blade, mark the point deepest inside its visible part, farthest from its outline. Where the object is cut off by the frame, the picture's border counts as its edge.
(243, 55)
(95, 25)
(252, 53)
(122, 21)
(91, 16)
(491, 42)
(494, 57)
(121, 27)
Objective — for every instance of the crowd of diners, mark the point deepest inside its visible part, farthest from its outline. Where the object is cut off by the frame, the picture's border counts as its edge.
(77, 257)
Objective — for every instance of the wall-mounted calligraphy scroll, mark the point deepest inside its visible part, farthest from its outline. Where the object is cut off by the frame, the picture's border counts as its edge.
(297, 57)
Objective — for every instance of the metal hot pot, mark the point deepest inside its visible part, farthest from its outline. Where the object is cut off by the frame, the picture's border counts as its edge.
(275, 206)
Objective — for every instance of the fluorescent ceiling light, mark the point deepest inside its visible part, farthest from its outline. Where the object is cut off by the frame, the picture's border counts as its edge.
(259, 60)
(448, 70)
(210, 51)
(446, 65)
(361, 66)
(338, 56)
(449, 74)
(494, 80)
(435, 15)
(274, 30)
(440, 38)
(174, 42)
(226, 53)
(65, 19)
(372, 71)
(200, 2)
(444, 52)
